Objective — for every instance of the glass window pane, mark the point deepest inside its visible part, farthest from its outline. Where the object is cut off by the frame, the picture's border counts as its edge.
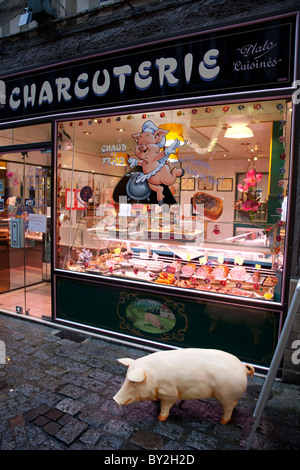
(25, 135)
(192, 197)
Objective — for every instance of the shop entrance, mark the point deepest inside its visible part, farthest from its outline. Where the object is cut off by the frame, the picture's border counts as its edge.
(25, 233)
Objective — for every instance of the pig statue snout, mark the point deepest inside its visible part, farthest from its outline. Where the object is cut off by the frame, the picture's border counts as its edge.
(132, 389)
(185, 374)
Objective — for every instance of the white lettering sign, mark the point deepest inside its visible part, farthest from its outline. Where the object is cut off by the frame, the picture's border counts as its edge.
(113, 148)
(100, 82)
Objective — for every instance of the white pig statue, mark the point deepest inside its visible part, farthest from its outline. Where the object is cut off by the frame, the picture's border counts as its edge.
(185, 374)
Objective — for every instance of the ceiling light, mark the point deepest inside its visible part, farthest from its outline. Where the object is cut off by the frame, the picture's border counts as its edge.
(238, 132)
(255, 147)
(254, 150)
(238, 127)
(175, 132)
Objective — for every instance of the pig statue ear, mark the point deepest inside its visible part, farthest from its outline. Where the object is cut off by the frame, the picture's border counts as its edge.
(126, 361)
(136, 375)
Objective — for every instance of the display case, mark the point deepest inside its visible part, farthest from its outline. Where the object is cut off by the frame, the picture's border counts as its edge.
(150, 251)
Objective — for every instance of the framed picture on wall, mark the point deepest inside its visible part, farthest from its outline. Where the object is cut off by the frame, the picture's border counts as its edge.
(205, 184)
(187, 184)
(225, 184)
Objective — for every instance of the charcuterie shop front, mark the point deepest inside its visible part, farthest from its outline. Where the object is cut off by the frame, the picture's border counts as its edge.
(172, 173)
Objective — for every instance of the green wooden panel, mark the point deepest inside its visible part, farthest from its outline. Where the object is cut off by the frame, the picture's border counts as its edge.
(250, 334)
(274, 201)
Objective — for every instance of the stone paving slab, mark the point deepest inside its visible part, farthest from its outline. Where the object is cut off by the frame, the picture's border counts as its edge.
(56, 393)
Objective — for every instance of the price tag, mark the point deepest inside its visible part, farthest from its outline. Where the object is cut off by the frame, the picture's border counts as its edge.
(238, 260)
(257, 266)
(221, 259)
(117, 250)
(268, 295)
(202, 260)
(188, 257)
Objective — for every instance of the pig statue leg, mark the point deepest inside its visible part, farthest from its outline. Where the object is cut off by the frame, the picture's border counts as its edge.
(228, 408)
(164, 409)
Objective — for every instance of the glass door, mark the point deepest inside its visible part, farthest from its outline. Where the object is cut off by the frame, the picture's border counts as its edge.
(25, 233)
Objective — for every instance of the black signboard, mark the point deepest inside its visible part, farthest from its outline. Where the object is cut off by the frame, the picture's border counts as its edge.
(250, 57)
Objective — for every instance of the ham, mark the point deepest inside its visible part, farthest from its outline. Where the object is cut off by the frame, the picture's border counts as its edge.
(238, 273)
(255, 276)
(187, 270)
(221, 272)
(241, 292)
(173, 267)
(204, 271)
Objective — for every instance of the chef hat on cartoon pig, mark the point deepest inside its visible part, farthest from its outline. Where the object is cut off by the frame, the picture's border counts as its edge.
(149, 126)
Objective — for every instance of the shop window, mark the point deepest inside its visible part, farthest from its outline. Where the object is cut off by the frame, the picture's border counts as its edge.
(25, 135)
(189, 198)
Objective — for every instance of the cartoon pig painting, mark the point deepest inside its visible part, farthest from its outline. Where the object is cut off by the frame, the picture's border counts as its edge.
(152, 157)
(185, 374)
